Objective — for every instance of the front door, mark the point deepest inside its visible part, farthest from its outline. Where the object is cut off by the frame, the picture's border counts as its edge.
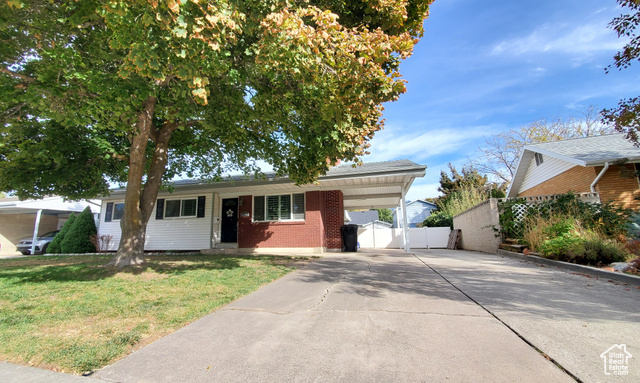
(229, 226)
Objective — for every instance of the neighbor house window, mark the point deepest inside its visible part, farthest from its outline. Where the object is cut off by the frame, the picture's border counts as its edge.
(180, 208)
(539, 159)
(285, 207)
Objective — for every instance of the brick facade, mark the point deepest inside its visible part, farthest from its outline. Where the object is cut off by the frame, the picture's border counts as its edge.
(333, 218)
(618, 184)
(578, 179)
(324, 214)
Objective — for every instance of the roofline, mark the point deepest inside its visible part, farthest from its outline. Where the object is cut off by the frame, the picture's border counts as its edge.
(520, 156)
(556, 155)
(413, 171)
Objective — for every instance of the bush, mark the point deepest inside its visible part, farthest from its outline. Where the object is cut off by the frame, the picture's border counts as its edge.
(585, 251)
(78, 238)
(566, 239)
(438, 219)
(54, 247)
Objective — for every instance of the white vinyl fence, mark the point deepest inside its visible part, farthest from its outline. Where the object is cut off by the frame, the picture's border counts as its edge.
(419, 238)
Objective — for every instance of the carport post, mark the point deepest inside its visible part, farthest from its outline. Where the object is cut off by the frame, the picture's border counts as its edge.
(35, 231)
(405, 230)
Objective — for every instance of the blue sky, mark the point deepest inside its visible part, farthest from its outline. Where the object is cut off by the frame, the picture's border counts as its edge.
(487, 66)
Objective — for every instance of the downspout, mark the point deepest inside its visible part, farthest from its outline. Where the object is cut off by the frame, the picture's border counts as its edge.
(595, 182)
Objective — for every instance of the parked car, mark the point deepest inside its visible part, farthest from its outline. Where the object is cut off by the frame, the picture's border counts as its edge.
(43, 241)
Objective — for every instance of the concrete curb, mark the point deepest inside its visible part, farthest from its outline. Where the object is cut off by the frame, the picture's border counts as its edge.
(604, 274)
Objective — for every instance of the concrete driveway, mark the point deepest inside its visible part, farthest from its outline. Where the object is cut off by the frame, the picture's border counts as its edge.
(571, 317)
(363, 317)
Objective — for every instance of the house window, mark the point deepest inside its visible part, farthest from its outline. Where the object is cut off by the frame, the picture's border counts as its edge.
(180, 208)
(539, 159)
(284, 207)
(118, 211)
(113, 211)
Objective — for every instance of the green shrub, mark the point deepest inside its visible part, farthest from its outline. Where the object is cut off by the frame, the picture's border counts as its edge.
(54, 247)
(438, 219)
(585, 251)
(78, 238)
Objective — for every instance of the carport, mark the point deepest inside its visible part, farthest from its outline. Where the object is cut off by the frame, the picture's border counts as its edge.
(21, 219)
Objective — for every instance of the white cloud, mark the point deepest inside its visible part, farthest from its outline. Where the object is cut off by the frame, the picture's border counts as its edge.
(388, 145)
(581, 43)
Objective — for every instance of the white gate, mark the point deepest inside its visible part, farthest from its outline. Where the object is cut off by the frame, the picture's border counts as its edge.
(419, 238)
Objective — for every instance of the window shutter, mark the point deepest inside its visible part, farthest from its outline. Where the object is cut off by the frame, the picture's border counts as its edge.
(107, 214)
(201, 204)
(160, 208)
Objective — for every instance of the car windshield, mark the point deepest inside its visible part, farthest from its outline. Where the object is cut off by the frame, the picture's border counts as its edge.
(49, 234)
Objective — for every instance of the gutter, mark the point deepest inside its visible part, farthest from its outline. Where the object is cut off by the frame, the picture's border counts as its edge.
(595, 182)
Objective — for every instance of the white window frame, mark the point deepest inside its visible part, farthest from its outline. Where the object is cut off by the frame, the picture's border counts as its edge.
(181, 216)
(253, 206)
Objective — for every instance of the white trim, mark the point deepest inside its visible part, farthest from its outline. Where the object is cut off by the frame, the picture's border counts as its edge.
(164, 210)
(253, 206)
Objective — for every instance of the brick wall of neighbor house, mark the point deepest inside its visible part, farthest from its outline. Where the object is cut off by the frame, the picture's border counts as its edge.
(14, 227)
(317, 230)
(577, 179)
(477, 225)
(619, 184)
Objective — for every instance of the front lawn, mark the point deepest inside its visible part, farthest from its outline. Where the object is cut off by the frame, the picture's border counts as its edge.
(69, 314)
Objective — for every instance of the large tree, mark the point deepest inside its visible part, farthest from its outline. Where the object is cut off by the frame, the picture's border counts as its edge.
(136, 92)
(626, 117)
(498, 157)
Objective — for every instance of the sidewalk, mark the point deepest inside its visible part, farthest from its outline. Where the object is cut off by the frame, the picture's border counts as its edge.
(13, 373)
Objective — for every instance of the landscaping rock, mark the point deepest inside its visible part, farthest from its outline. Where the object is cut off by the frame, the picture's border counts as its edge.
(621, 266)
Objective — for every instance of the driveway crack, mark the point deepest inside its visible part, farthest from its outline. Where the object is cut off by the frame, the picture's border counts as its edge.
(326, 293)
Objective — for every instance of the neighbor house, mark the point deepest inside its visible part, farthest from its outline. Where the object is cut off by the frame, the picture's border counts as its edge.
(607, 165)
(417, 212)
(262, 215)
(20, 219)
(365, 219)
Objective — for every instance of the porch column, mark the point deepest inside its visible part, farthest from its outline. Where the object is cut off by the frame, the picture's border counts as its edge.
(35, 231)
(405, 228)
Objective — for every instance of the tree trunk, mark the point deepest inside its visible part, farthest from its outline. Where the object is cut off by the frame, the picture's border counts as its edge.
(140, 198)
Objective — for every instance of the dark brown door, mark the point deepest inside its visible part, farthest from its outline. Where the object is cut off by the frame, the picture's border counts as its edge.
(229, 224)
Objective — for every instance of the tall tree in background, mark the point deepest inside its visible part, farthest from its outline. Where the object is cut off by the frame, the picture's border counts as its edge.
(385, 215)
(498, 158)
(96, 91)
(626, 117)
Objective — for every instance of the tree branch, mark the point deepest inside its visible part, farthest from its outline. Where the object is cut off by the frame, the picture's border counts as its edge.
(18, 75)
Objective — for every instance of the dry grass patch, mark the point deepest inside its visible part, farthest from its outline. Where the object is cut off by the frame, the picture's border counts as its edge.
(70, 314)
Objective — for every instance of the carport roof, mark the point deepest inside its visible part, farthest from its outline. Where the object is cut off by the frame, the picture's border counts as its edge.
(49, 205)
(368, 186)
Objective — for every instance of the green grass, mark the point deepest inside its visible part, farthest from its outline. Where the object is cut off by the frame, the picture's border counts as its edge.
(70, 314)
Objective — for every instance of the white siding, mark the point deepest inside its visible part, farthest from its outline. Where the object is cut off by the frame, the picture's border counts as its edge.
(169, 233)
(550, 168)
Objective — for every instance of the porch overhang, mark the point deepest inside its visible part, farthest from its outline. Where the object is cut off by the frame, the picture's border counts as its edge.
(370, 186)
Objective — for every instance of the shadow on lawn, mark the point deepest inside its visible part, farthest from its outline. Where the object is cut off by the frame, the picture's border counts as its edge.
(90, 268)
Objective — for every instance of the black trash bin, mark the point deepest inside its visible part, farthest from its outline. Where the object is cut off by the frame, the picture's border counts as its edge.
(349, 237)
